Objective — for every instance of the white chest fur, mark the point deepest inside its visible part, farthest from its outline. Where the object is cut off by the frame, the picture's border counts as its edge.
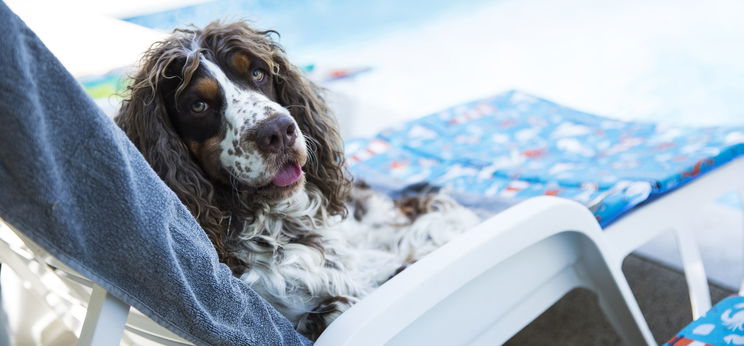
(354, 256)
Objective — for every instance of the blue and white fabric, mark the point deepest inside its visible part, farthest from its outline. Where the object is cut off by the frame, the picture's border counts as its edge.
(722, 325)
(495, 152)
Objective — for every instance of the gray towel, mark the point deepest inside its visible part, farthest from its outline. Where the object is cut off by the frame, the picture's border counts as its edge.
(72, 182)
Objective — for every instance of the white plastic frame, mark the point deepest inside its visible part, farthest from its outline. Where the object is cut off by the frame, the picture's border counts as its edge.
(487, 284)
(673, 212)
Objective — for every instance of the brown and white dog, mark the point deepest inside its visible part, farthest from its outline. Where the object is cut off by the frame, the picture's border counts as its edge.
(250, 147)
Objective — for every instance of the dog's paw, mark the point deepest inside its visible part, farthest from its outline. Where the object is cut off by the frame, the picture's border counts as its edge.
(315, 322)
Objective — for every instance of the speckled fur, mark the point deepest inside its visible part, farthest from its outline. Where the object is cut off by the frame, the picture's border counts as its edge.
(350, 256)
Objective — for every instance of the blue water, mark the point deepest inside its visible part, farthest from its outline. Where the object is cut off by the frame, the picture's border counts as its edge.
(688, 71)
(306, 24)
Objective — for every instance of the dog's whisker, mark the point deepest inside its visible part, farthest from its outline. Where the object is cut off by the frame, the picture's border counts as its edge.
(312, 147)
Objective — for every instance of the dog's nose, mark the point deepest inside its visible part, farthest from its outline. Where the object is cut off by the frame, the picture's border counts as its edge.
(276, 134)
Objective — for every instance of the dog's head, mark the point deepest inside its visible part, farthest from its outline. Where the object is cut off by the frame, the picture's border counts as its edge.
(222, 108)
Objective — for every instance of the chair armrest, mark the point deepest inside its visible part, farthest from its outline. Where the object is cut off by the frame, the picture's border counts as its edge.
(399, 302)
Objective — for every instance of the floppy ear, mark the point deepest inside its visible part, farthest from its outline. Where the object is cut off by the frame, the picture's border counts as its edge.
(144, 118)
(326, 166)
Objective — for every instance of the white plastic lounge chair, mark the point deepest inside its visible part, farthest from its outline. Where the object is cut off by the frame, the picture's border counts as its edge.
(482, 288)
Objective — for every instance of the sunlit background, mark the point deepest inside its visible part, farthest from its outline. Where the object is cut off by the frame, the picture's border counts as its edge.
(669, 61)
(665, 61)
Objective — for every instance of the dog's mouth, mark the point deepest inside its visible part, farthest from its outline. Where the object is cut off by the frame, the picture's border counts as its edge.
(287, 175)
(286, 179)
(281, 177)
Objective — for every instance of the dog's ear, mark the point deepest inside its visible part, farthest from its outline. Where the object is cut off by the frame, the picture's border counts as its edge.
(326, 166)
(144, 118)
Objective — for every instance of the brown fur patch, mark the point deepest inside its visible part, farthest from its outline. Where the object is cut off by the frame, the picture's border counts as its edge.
(240, 63)
(207, 88)
(417, 200)
(315, 322)
(208, 154)
(414, 206)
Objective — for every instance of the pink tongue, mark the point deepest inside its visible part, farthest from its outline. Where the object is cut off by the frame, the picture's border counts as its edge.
(287, 175)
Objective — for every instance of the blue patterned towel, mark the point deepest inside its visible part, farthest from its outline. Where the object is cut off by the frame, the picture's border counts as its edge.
(496, 152)
(722, 325)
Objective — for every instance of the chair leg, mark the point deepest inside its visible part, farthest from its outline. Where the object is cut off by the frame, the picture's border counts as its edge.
(615, 298)
(697, 282)
(105, 319)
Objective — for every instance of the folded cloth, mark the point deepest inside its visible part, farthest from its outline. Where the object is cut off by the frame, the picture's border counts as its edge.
(73, 183)
(498, 151)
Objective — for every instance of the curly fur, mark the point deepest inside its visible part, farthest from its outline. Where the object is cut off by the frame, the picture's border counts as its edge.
(144, 119)
(296, 249)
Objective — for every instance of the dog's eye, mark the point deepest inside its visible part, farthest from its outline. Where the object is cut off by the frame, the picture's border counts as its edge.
(199, 106)
(258, 74)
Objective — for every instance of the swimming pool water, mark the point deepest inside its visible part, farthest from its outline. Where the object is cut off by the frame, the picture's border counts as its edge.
(308, 24)
(668, 61)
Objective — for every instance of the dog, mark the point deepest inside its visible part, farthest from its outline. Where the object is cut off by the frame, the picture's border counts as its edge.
(251, 148)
